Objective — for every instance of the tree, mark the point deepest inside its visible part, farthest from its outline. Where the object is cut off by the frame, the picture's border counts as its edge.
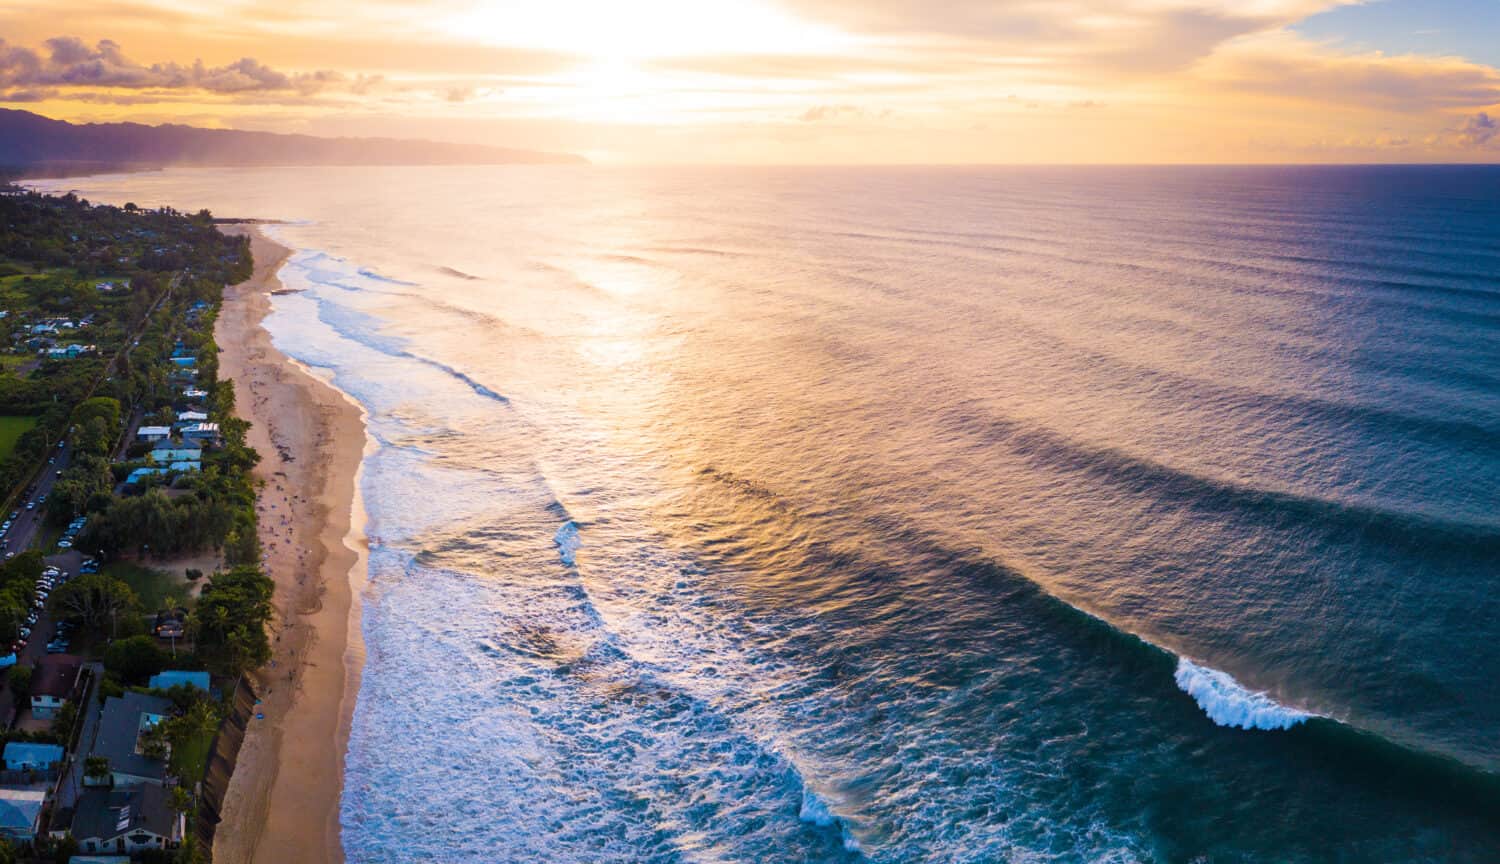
(20, 681)
(93, 599)
(135, 659)
(96, 768)
(230, 620)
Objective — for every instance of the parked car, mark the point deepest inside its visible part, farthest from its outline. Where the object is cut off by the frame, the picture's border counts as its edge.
(65, 543)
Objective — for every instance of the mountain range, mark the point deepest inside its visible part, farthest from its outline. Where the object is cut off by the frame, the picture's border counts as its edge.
(32, 145)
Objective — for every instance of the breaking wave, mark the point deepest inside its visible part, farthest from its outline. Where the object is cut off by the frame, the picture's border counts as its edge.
(1229, 703)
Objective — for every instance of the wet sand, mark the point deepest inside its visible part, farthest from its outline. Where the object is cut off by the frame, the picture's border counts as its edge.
(282, 804)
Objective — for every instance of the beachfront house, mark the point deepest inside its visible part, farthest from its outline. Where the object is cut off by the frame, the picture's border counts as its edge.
(191, 416)
(164, 455)
(126, 820)
(178, 677)
(26, 756)
(20, 811)
(153, 433)
(123, 738)
(194, 393)
(54, 682)
(201, 432)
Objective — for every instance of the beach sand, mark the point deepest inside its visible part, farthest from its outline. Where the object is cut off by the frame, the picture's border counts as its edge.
(282, 804)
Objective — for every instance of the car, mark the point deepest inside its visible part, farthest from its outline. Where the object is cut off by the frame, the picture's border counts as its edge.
(59, 473)
(10, 555)
(41, 499)
(61, 444)
(25, 632)
(56, 648)
(65, 544)
(5, 526)
(14, 515)
(30, 505)
(53, 569)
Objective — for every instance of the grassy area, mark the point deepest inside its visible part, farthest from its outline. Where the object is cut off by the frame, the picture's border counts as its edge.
(190, 755)
(11, 430)
(152, 586)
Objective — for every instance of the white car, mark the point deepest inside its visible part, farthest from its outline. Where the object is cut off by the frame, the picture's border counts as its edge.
(65, 544)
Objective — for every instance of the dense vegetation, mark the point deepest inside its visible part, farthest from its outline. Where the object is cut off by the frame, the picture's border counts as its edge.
(142, 288)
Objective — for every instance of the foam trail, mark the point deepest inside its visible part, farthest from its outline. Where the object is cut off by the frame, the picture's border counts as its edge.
(1228, 703)
(567, 542)
(371, 274)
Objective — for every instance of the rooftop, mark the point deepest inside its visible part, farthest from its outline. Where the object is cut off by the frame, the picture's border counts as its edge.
(103, 814)
(120, 727)
(55, 675)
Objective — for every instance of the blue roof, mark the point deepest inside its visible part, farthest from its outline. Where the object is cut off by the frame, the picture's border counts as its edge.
(173, 677)
(184, 361)
(39, 754)
(140, 474)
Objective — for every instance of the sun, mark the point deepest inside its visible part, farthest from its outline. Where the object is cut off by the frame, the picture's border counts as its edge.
(608, 30)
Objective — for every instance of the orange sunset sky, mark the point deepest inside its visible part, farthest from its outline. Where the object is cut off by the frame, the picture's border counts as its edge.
(802, 81)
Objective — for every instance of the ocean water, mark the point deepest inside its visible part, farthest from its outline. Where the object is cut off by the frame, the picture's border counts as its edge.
(911, 515)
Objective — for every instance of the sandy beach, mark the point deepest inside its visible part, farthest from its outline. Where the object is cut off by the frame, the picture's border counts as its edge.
(283, 801)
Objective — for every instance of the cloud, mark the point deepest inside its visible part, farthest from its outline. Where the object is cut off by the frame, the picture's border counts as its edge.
(1477, 132)
(72, 63)
(1289, 68)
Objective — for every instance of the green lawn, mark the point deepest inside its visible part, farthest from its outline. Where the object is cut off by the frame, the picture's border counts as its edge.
(190, 755)
(11, 430)
(152, 586)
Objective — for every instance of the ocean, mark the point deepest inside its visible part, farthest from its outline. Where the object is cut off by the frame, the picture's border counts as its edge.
(910, 514)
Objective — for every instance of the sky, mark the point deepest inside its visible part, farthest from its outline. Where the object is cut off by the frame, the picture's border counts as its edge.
(792, 81)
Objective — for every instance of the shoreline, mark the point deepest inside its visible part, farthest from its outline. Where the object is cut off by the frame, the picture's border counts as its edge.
(283, 799)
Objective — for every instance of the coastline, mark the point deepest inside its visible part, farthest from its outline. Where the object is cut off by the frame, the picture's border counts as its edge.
(282, 803)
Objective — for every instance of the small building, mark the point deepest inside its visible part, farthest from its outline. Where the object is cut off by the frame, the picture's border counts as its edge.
(167, 455)
(20, 811)
(194, 393)
(177, 677)
(54, 682)
(140, 475)
(126, 820)
(153, 433)
(26, 756)
(123, 725)
(201, 432)
(191, 416)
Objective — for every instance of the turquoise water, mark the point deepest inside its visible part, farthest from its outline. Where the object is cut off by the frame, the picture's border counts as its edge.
(912, 514)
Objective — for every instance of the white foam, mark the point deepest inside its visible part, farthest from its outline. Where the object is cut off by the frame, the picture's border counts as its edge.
(567, 542)
(1228, 703)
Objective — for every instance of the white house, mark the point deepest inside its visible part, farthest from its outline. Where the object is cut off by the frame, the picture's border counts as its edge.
(126, 820)
(201, 431)
(53, 682)
(191, 416)
(153, 433)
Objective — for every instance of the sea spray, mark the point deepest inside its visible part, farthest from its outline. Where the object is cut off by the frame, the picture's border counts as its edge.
(1228, 703)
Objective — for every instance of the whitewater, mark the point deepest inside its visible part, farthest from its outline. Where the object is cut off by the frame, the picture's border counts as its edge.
(910, 514)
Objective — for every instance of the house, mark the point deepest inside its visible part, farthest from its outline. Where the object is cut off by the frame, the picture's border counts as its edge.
(153, 433)
(168, 454)
(139, 475)
(177, 677)
(53, 683)
(126, 820)
(194, 393)
(123, 725)
(191, 416)
(201, 432)
(25, 756)
(20, 811)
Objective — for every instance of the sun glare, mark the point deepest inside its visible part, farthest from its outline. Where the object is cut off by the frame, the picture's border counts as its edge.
(645, 29)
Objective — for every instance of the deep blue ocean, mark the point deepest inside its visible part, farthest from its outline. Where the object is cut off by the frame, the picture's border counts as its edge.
(911, 515)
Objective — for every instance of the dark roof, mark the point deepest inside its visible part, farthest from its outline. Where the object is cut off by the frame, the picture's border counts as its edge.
(55, 675)
(104, 814)
(119, 728)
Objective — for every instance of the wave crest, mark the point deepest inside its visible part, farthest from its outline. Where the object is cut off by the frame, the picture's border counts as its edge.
(1229, 703)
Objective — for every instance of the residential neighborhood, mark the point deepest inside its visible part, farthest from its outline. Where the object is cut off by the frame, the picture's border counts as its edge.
(131, 597)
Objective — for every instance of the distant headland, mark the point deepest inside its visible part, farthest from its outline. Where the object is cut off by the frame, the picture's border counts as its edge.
(34, 146)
